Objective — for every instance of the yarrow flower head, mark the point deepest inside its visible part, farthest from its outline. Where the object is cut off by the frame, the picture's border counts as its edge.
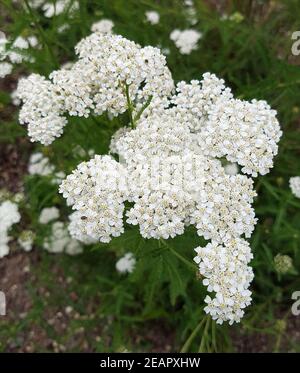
(152, 17)
(26, 239)
(109, 68)
(295, 185)
(104, 25)
(9, 215)
(186, 40)
(5, 69)
(166, 163)
(60, 6)
(126, 264)
(48, 214)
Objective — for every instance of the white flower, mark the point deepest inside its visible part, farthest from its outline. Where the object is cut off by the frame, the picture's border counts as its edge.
(58, 177)
(60, 241)
(59, 7)
(186, 40)
(97, 191)
(169, 166)
(152, 17)
(40, 165)
(48, 214)
(226, 273)
(42, 109)
(9, 215)
(62, 28)
(231, 169)
(126, 264)
(244, 132)
(26, 239)
(3, 42)
(104, 25)
(5, 69)
(295, 185)
(107, 66)
(14, 98)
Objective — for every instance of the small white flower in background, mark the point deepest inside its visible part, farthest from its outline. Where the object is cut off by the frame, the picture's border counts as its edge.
(231, 169)
(59, 7)
(186, 40)
(152, 17)
(48, 214)
(40, 165)
(295, 185)
(5, 69)
(14, 98)
(58, 177)
(36, 3)
(191, 13)
(26, 239)
(3, 42)
(9, 215)
(18, 197)
(126, 263)
(104, 26)
(16, 53)
(4, 239)
(60, 241)
(64, 27)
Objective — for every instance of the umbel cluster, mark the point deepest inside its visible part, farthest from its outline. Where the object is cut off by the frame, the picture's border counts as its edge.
(168, 162)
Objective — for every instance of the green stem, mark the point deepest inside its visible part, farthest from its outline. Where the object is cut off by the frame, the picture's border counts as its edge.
(203, 339)
(179, 256)
(144, 107)
(189, 341)
(41, 32)
(129, 105)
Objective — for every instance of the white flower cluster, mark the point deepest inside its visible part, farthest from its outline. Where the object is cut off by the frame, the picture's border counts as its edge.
(15, 52)
(5, 69)
(97, 191)
(40, 165)
(231, 168)
(42, 109)
(126, 263)
(48, 214)
(60, 241)
(186, 40)
(152, 17)
(9, 215)
(56, 8)
(168, 167)
(104, 26)
(26, 239)
(295, 185)
(227, 274)
(108, 68)
(190, 11)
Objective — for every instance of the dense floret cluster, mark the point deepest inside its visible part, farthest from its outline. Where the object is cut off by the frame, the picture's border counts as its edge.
(165, 170)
